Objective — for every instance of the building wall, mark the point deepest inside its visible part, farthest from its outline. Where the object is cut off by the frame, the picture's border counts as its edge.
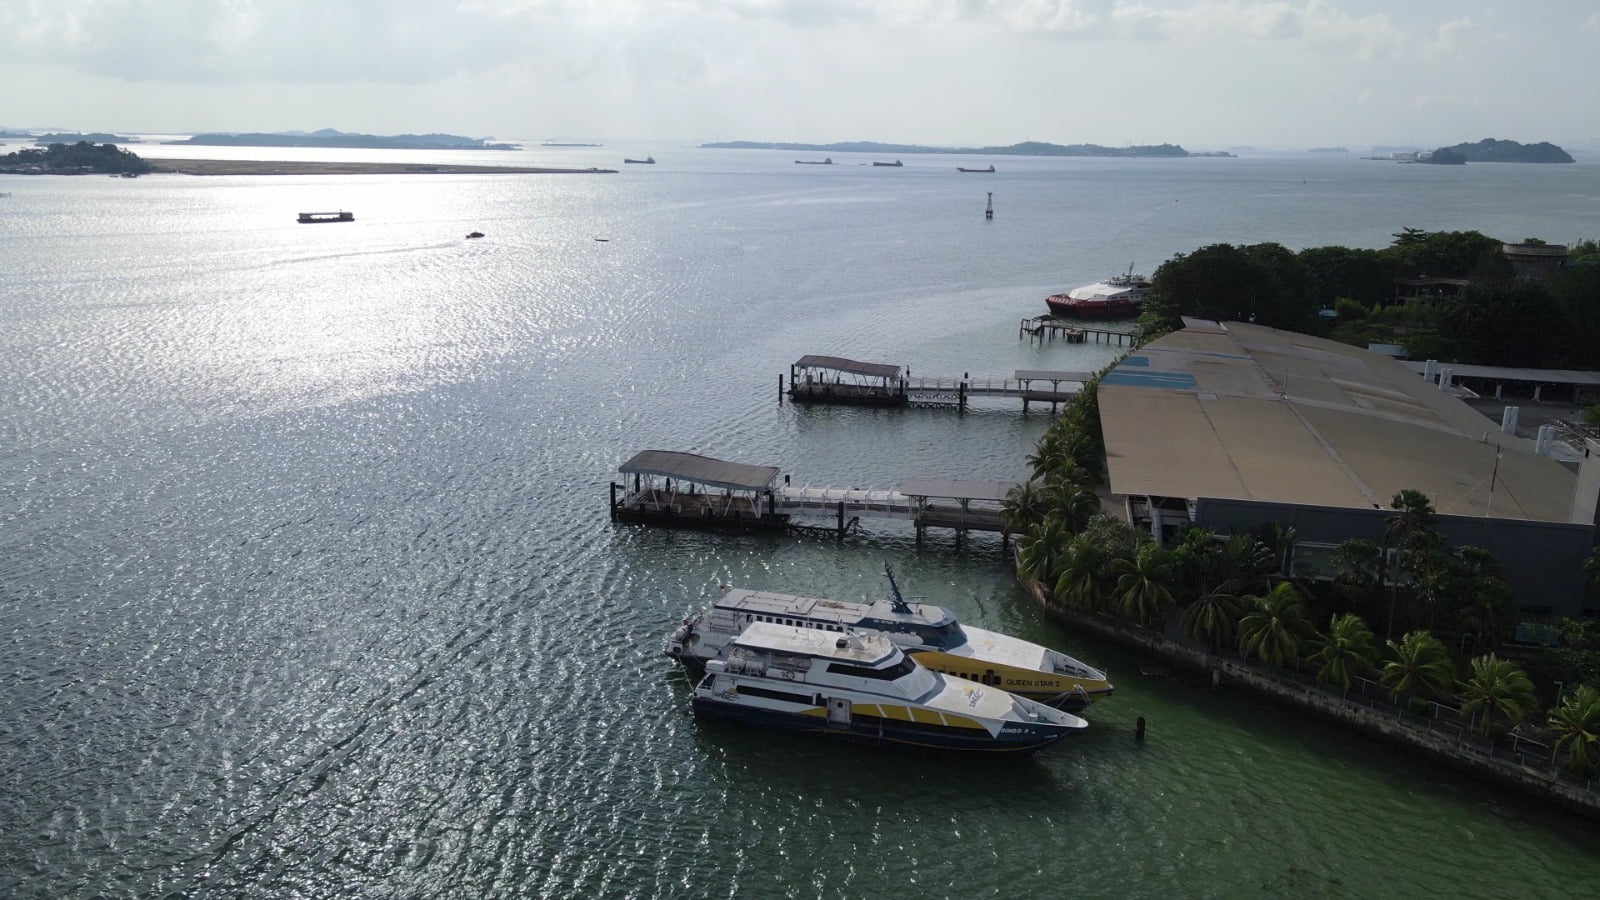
(1541, 561)
(1586, 496)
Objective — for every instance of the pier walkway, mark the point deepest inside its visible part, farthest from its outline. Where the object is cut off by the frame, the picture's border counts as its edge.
(836, 380)
(690, 491)
(1048, 327)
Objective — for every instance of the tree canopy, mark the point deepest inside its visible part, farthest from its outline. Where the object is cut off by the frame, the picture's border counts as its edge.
(74, 158)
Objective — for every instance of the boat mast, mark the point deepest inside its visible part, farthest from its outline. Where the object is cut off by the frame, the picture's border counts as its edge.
(897, 603)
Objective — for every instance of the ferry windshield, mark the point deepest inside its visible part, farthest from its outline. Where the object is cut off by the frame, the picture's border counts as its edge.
(936, 637)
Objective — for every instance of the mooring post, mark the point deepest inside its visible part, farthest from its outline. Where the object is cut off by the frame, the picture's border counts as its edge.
(841, 518)
(613, 501)
(1138, 728)
(780, 388)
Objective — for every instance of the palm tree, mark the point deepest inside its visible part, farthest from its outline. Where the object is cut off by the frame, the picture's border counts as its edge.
(1358, 573)
(1275, 626)
(1591, 569)
(1418, 664)
(1039, 551)
(1346, 651)
(1413, 520)
(1142, 585)
(1576, 725)
(1083, 568)
(1024, 505)
(1497, 685)
(1213, 616)
(1249, 562)
(1073, 504)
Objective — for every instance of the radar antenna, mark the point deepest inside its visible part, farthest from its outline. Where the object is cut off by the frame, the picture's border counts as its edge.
(897, 603)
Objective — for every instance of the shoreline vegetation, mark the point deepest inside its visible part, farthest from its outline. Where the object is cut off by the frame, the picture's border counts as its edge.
(1026, 148)
(1413, 641)
(282, 167)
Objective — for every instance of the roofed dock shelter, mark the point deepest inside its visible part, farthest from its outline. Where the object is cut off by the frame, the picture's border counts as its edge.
(834, 379)
(689, 490)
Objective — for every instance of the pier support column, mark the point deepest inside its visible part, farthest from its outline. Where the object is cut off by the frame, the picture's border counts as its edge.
(841, 518)
(613, 501)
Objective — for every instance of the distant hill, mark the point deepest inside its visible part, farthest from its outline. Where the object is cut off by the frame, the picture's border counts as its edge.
(93, 137)
(328, 137)
(1329, 150)
(1491, 150)
(1026, 148)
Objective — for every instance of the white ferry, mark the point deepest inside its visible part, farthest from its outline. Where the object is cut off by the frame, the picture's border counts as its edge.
(864, 689)
(929, 633)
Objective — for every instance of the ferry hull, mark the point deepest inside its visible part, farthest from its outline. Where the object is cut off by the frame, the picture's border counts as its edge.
(1063, 692)
(1093, 311)
(882, 731)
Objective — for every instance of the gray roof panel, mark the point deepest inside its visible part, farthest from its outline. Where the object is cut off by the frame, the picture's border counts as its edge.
(849, 366)
(701, 469)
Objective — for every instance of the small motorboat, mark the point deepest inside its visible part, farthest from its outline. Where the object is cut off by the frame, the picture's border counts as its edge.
(474, 234)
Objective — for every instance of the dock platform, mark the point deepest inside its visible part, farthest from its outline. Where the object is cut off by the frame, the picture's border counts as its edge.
(1049, 327)
(836, 380)
(685, 490)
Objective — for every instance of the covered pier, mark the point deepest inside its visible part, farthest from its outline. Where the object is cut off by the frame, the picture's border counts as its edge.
(926, 502)
(834, 379)
(688, 490)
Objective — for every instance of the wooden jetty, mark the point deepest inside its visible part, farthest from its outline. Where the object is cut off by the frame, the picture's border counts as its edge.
(1049, 327)
(686, 490)
(836, 380)
(692, 491)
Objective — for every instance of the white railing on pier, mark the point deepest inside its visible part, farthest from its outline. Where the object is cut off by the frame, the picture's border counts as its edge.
(995, 386)
(883, 504)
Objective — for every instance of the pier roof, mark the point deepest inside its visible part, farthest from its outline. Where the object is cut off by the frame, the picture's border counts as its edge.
(848, 366)
(1509, 373)
(701, 470)
(1239, 411)
(952, 489)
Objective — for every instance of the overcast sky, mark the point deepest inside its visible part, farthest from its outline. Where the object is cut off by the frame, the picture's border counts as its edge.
(1202, 73)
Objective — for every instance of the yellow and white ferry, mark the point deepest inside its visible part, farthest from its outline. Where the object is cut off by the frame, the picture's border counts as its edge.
(931, 634)
(863, 688)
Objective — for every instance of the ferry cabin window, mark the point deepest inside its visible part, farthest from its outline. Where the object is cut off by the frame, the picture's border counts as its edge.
(904, 667)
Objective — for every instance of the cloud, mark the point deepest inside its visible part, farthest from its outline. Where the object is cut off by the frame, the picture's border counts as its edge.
(1592, 23)
(202, 41)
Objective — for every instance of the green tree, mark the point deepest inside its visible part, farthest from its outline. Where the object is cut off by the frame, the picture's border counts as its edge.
(1497, 686)
(1507, 323)
(1039, 551)
(1083, 567)
(1418, 664)
(1024, 505)
(1275, 627)
(1142, 590)
(1212, 617)
(1409, 528)
(1358, 574)
(1346, 652)
(1576, 726)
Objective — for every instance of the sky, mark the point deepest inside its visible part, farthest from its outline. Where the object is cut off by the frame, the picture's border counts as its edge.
(1207, 74)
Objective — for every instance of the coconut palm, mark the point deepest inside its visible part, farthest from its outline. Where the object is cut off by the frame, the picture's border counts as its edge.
(1275, 627)
(1073, 504)
(1418, 664)
(1039, 551)
(1497, 686)
(1142, 588)
(1024, 505)
(1410, 526)
(1083, 570)
(1246, 561)
(1358, 573)
(1576, 725)
(1346, 652)
(1213, 616)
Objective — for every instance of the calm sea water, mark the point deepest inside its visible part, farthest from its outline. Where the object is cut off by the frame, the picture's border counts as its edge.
(307, 587)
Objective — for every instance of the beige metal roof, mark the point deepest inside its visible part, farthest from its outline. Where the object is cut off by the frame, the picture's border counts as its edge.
(848, 366)
(1239, 411)
(700, 469)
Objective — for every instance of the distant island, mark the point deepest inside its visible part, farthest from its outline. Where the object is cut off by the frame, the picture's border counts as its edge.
(1491, 150)
(93, 137)
(328, 137)
(81, 158)
(1329, 150)
(1026, 148)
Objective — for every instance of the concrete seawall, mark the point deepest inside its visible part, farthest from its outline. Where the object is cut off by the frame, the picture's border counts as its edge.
(1386, 723)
